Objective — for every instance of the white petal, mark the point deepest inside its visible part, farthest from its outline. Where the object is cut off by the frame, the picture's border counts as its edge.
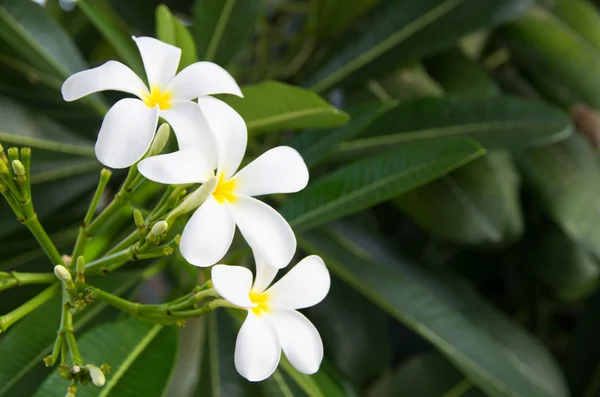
(299, 339)
(126, 133)
(183, 166)
(279, 170)
(266, 232)
(160, 60)
(191, 129)
(233, 283)
(110, 76)
(265, 274)
(305, 285)
(201, 79)
(257, 350)
(230, 133)
(208, 234)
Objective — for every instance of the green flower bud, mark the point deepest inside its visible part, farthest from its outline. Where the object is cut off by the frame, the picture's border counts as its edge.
(80, 270)
(13, 154)
(138, 219)
(96, 374)
(63, 274)
(105, 368)
(160, 140)
(194, 200)
(19, 171)
(159, 228)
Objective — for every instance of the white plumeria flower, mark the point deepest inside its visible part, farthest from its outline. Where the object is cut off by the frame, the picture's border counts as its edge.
(272, 323)
(209, 233)
(129, 126)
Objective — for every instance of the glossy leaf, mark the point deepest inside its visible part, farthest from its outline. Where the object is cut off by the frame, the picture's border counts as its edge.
(571, 168)
(425, 375)
(116, 32)
(475, 204)
(31, 339)
(496, 355)
(141, 356)
(405, 30)
(222, 28)
(559, 60)
(371, 181)
(496, 123)
(274, 106)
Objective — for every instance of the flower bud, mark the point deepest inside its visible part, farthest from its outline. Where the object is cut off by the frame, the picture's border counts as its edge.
(3, 168)
(105, 368)
(160, 140)
(96, 374)
(80, 270)
(13, 154)
(63, 274)
(194, 200)
(76, 369)
(138, 218)
(69, 394)
(19, 171)
(159, 228)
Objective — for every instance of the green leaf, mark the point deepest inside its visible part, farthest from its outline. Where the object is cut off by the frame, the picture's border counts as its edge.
(335, 16)
(21, 127)
(222, 28)
(581, 15)
(355, 332)
(274, 106)
(564, 266)
(566, 178)
(425, 375)
(170, 30)
(458, 74)
(141, 356)
(496, 123)
(406, 30)
(315, 145)
(495, 354)
(475, 204)
(31, 339)
(559, 60)
(116, 32)
(371, 181)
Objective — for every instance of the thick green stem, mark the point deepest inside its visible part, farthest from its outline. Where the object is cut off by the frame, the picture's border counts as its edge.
(105, 264)
(130, 240)
(14, 279)
(12, 317)
(210, 306)
(34, 225)
(67, 331)
(82, 237)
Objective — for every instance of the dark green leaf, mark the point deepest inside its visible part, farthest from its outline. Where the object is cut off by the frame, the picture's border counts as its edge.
(495, 354)
(141, 356)
(274, 106)
(170, 30)
(334, 16)
(406, 30)
(31, 339)
(222, 28)
(475, 204)
(496, 123)
(368, 182)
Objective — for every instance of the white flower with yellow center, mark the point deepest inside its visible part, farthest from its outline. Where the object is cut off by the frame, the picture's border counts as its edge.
(209, 233)
(129, 126)
(272, 323)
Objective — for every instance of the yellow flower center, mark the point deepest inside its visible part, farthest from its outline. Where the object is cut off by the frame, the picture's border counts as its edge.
(262, 301)
(158, 97)
(224, 190)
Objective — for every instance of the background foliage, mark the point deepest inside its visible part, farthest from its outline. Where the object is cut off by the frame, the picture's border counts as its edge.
(454, 190)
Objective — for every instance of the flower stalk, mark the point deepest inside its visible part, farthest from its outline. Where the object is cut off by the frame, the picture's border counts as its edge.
(12, 317)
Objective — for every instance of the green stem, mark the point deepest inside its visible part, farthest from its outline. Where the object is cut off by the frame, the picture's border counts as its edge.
(12, 202)
(12, 317)
(67, 331)
(82, 237)
(34, 225)
(14, 279)
(210, 306)
(130, 240)
(105, 264)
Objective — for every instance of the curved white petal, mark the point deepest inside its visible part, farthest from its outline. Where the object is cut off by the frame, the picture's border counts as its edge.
(265, 274)
(299, 339)
(305, 285)
(233, 283)
(126, 133)
(257, 349)
(110, 76)
(266, 232)
(183, 166)
(201, 79)
(191, 129)
(279, 170)
(208, 234)
(160, 60)
(230, 133)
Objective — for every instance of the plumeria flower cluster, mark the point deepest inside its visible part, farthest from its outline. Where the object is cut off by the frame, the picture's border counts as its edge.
(212, 139)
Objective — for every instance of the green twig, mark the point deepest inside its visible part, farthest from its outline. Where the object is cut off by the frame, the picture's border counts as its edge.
(12, 317)
(35, 227)
(13, 279)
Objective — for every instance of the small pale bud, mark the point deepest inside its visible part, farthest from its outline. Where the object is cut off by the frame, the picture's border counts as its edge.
(138, 219)
(18, 168)
(159, 228)
(160, 140)
(76, 369)
(66, 259)
(96, 374)
(62, 274)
